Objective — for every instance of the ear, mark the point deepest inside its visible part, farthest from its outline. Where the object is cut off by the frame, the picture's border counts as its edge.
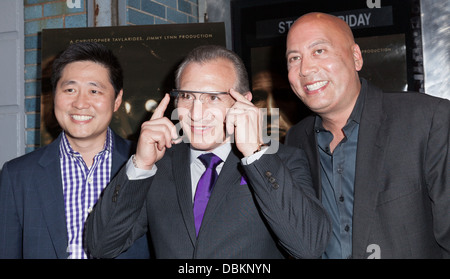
(248, 95)
(357, 57)
(118, 101)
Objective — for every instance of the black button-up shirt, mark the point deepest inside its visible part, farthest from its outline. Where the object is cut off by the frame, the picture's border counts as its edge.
(337, 178)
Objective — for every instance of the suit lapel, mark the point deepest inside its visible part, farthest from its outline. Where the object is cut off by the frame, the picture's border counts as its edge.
(372, 140)
(313, 156)
(121, 153)
(304, 136)
(228, 178)
(182, 176)
(51, 197)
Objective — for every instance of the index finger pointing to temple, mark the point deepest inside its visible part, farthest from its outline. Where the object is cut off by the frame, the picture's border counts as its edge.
(161, 108)
(239, 97)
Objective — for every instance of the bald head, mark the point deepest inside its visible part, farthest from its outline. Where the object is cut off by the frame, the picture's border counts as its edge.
(333, 23)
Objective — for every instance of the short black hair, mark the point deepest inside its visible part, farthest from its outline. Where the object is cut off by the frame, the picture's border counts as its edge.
(93, 52)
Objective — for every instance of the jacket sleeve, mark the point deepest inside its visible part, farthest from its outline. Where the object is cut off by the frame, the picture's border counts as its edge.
(119, 217)
(10, 225)
(437, 169)
(282, 184)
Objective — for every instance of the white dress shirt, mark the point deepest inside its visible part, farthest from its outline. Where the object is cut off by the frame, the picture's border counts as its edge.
(197, 167)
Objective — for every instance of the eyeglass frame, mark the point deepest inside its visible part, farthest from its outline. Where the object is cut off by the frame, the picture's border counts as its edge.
(176, 92)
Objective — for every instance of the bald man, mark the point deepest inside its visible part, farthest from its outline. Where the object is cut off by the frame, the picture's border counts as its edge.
(379, 161)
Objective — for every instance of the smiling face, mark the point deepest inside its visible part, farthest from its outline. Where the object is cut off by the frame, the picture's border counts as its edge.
(85, 102)
(203, 122)
(323, 61)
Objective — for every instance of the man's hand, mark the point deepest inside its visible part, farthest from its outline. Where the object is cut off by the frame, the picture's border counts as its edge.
(157, 134)
(244, 120)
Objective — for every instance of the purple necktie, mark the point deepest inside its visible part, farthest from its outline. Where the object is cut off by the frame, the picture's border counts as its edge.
(204, 186)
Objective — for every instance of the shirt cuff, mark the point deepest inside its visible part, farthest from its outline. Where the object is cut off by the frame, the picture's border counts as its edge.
(134, 173)
(250, 159)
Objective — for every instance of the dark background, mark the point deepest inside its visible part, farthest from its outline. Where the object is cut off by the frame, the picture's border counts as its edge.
(148, 66)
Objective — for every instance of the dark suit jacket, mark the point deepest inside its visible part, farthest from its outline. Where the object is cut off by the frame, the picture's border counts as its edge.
(250, 217)
(32, 210)
(402, 183)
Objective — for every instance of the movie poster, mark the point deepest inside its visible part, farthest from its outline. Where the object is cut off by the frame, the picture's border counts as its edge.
(149, 56)
(384, 61)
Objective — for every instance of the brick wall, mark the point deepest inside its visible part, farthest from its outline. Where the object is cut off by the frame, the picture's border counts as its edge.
(40, 14)
(160, 12)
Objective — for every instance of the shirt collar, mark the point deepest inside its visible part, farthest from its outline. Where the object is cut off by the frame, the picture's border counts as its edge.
(67, 149)
(222, 151)
(357, 110)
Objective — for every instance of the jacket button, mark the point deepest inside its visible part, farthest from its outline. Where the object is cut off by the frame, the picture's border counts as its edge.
(116, 193)
(275, 185)
(268, 174)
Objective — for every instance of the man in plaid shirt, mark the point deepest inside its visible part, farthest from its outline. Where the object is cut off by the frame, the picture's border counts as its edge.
(46, 195)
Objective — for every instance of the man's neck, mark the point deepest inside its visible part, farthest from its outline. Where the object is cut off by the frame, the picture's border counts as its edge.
(335, 122)
(88, 148)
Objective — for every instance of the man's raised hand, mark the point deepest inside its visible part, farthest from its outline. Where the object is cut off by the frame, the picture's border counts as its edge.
(244, 120)
(156, 135)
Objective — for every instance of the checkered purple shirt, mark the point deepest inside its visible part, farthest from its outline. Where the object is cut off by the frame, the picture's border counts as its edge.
(82, 187)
